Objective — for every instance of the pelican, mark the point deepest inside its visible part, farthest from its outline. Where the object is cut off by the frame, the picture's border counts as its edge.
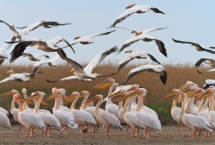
(196, 45)
(47, 46)
(28, 120)
(148, 120)
(24, 77)
(49, 119)
(107, 119)
(196, 123)
(34, 57)
(4, 121)
(206, 60)
(142, 35)
(175, 111)
(51, 62)
(133, 8)
(84, 74)
(133, 55)
(25, 30)
(87, 39)
(80, 116)
(208, 83)
(150, 68)
(65, 118)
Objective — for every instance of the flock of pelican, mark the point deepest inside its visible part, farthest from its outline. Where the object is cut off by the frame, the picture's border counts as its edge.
(130, 110)
(135, 114)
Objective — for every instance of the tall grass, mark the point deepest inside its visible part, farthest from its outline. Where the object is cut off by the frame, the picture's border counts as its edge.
(177, 75)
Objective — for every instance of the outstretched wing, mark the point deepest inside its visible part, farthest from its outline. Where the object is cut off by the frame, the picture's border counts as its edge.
(130, 41)
(7, 80)
(185, 42)
(5, 23)
(99, 58)
(105, 33)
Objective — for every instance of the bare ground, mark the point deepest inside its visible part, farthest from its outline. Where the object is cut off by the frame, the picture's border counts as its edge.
(169, 135)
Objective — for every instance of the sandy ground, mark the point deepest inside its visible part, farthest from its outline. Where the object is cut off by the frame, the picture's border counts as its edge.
(169, 135)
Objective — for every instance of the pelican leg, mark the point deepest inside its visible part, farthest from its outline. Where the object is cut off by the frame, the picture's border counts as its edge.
(96, 127)
(66, 130)
(194, 134)
(30, 132)
(26, 135)
(132, 131)
(206, 135)
(137, 132)
(20, 127)
(47, 131)
(210, 134)
(34, 130)
(107, 131)
(127, 128)
(148, 131)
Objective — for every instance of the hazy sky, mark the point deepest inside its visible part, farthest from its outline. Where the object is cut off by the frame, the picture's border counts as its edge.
(191, 20)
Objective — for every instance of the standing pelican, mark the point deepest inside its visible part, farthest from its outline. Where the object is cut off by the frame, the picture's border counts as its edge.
(107, 119)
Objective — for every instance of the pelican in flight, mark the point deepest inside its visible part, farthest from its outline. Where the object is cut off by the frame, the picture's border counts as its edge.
(24, 77)
(197, 46)
(206, 60)
(50, 62)
(133, 8)
(34, 57)
(150, 68)
(87, 39)
(84, 74)
(107, 119)
(20, 33)
(142, 35)
(208, 83)
(47, 46)
(133, 55)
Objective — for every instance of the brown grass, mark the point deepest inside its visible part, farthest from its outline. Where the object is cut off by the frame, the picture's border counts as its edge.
(177, 76)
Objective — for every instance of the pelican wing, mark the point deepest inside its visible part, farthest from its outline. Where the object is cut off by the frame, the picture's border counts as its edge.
(105, 33)
(153, 29)
(208, 83)
(185, 42)
(161, 47)
(56, 40)
(98, 59)
(25, 30)
(37, 56)
(7, 80)
(111, 119)
(203, 49)
(83, 115)
(199, 62)
(54, 23)
(132, 119)
(6, 46)
(5, 23)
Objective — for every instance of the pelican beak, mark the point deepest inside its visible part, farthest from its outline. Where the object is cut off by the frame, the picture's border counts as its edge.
(25, 100)
(44, 103)
(82, 96)
(70, 99)
(65, 97)
(7, 94)
(119, 99)
(176, 97)
(115, 95)
(52, 96)
(35, 96)
(196, 94)
(206, 94)
(188, 91)
(183, 87)
(134, 93)
(102, 85)
(72, 70)
(93, 99)
(34, 44)
(132, 89)
(170, 94)
(8, 72)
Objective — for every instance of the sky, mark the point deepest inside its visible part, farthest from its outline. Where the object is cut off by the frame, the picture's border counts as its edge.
(191, 20)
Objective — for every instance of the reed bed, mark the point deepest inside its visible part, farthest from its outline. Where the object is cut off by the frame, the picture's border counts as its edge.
(178, 74)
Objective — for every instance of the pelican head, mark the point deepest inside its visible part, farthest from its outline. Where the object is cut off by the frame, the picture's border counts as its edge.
(10, 93)
(12, 26)
(72, 70)
(105, 84)
(78, 37)
(96, 98)
(208, 93)
(19, 98)
(130, 6)
(9, 72)
(42, 21)
(24, 90)
(138, 92)
(73, 96)
(85, 93)
(172, 93)
(118, 93)
(37, 95)
(128, 51)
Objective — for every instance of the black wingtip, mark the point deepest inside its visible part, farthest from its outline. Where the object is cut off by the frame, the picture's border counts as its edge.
(200, 72)
(10, 115)
(50, 81)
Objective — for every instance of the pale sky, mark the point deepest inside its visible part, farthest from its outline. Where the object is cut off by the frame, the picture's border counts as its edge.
(191, 20)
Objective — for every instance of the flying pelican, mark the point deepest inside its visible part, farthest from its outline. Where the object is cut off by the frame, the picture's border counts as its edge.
(65, 118)
(28, 120)
(51, 62)
(107, 119)
(20, 33)
(150, 68)
(196, 45)
(49, 119)
(133, 8)
(131, 56)
(84, 74)
(34, 57)
(24, 77)
(80, 116)
(87, 39)
(206, 60)
(208, 83)
(47, 46)
(196, 123)
(142, 35)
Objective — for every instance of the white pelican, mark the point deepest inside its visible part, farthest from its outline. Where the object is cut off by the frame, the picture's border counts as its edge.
(81, 117)
(150, 68)
(49, 119)
(196, 45)
(65, 118)
(28, 120)
(84, 74)
(25, 77)
(175, 111)
(206, 60)
(142, 35)
(107, 119)
(148, 120)
(51, 62)
(47, 46)
(133, 8)
(196, 123)
(87, 39)
(34, 57)
(208, 83)
(20, 33)
(4, 121)
(131, 56)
